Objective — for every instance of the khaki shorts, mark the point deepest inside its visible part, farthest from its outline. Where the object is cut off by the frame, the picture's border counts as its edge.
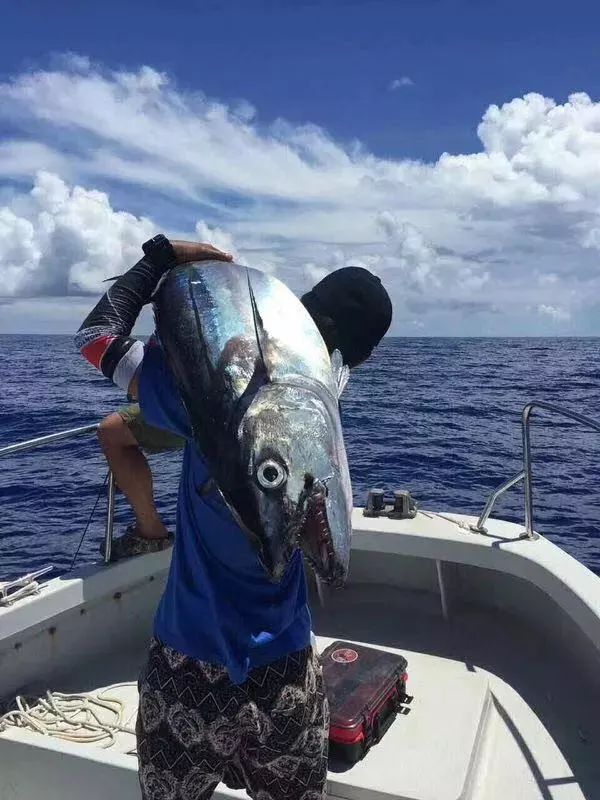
(149, 438)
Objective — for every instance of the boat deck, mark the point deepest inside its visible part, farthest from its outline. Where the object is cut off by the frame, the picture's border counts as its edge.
(488, 692)
(546, 727)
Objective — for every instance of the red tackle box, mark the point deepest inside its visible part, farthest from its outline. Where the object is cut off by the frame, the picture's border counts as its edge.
(366, 688)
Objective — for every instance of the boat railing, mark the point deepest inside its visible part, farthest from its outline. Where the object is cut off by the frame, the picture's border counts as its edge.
(52, 438)
(526, 474)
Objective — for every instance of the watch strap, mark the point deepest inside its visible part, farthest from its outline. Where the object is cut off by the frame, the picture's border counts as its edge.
(159, 251)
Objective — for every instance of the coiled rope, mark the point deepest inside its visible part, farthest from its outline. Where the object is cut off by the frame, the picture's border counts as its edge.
(73, 717)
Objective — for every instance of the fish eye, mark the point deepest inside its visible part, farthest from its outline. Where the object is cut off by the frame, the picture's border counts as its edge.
(270, 474)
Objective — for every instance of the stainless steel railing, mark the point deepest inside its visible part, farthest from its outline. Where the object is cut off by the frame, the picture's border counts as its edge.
(70, 434)
(52, 437)
(479, 526)
(110, 516)
(526, 416)
(526, 473)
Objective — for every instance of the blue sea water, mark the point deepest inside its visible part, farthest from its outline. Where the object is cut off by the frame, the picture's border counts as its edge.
(437, 416)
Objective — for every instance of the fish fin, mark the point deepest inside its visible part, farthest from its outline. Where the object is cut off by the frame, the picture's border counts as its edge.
(259, 328)
(204, 429)
(114, 278)
(341, 371)
(198, 321)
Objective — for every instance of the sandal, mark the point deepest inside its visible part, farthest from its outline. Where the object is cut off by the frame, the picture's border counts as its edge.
(131, 544)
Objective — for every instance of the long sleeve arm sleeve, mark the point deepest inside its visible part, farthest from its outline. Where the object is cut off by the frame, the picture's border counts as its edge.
(104, 337)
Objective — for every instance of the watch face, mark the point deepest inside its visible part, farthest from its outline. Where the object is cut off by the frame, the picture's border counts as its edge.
(155, 243)
(160, 248)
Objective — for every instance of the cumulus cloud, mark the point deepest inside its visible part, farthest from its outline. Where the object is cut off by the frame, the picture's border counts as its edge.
(518, 221)
(218, 237)
(59, 240)
(400, 83)
(408, 252)
(555, 313)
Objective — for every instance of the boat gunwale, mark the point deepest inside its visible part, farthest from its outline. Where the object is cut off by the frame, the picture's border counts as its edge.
(429, 536)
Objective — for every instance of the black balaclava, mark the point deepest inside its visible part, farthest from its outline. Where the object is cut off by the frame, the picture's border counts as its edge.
(352, 310)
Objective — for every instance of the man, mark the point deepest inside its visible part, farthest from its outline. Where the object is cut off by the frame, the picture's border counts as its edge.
(232, 690)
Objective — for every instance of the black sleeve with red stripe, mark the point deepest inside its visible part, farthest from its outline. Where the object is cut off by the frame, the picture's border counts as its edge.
(104, 339)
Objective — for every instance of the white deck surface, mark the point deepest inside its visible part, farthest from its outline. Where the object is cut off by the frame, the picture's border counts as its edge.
(495, 713)
(541, 735)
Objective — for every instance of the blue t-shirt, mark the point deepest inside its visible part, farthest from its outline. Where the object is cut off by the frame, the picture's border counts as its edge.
(218, 605)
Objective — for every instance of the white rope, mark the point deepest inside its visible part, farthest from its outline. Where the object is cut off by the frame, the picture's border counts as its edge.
(73, 717)
(13, 590)
(18, 594)
(435, 514)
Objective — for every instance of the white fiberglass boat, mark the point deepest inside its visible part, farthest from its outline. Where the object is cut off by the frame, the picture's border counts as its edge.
(501, 629)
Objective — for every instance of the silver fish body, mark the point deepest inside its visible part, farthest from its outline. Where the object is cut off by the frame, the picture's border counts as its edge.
(261, 392)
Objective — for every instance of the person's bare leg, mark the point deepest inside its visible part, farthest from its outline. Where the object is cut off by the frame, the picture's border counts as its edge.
(132, 474)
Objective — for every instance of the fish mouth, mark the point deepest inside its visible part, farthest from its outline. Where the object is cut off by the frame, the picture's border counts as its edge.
(314, 537)
(307, 528)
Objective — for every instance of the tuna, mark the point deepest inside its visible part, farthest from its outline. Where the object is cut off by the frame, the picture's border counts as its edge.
(261, 392)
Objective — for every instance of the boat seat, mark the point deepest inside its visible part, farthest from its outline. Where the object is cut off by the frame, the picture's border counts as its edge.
(449, 710)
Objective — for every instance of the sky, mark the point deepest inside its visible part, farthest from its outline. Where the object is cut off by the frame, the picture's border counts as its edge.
(450, 146)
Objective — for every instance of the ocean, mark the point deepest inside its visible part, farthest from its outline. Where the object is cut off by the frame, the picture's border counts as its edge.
(437, 416)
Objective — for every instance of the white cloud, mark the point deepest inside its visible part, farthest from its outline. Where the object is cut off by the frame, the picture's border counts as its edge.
(518, 222)
(59, 240)
(555, 313)
(201, 143)
(218, 237)
(315, 272)
(400, 83)
(548, 279)
(409, 252)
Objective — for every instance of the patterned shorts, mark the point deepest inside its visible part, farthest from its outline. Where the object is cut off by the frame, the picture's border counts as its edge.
(196, 728)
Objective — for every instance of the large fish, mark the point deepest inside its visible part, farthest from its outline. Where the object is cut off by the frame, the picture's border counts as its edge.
(262, 394)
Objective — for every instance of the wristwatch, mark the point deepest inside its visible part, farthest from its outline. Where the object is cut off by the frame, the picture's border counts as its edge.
(159, 251)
